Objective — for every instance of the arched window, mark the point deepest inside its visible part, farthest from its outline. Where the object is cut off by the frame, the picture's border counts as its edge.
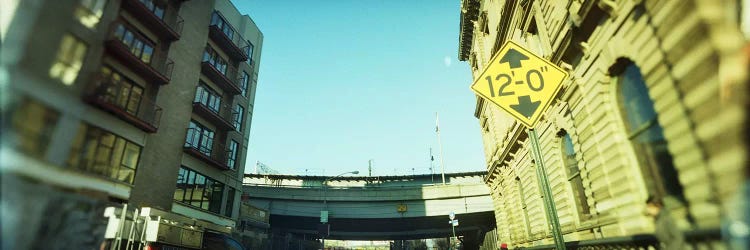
(573, 172)
(644, 131)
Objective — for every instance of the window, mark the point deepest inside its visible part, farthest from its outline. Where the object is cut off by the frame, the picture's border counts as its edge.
(573, 171)
(522, 198)
(69, 59)
(212, 57)
(155, 8)
(249, 50)
(199, 137)
(239, 111)
(230, 202)
(120, 91)
(232, 159)
(199, 191)
(219, 22)
(89, 12)
(137, 44)
(102, 153)
(244, 83)
(33, 124)
(644, 131)
(208, 97)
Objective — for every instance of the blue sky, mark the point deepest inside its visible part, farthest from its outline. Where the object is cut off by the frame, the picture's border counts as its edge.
(342, 82)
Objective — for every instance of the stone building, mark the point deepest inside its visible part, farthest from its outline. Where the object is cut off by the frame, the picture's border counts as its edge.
(653, 105)
(140, 102)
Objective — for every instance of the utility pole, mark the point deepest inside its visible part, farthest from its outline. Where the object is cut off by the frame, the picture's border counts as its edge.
(432, 170)
(369, 167)
(437, 130)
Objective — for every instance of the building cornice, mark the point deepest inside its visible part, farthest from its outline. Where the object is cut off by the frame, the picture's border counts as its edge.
(469, 15)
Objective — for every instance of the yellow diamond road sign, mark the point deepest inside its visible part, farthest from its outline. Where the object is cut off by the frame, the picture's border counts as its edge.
(520, 82)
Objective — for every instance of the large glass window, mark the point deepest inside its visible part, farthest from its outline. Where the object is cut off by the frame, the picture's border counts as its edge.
(644, 131)
(89, 12)
(239, 113)
(197, 190)
(219, 21)
(200, 138)
(103, 153)
(208, 97)
(120, 91)
(136, 43)
(69, 59)
(154, 7)
(33, 124)
(574, 173)
(212, 57)
(232, 159)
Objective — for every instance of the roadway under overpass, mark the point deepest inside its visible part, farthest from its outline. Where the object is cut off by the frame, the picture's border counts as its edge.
(375, 208)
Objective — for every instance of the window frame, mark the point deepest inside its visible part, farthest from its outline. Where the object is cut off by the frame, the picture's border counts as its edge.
(120, 81)
(69, 59)
(238, 117)
(92, 153)
(205, 138)
(208, 97)
(574, 179)
(245, 83)
(658, 179)
(147, 48)
(234, 147)
(213, 58)
(208, 191)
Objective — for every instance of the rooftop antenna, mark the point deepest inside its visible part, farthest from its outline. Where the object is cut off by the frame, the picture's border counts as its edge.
(437, 130)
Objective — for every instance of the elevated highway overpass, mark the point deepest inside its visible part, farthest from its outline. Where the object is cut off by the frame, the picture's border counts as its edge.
(375, 208)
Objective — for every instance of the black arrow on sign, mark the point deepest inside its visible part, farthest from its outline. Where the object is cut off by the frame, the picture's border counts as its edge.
(514, 58)
(525, 106)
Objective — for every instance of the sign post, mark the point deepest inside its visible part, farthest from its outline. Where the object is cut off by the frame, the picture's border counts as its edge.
(454, 224)
(524, 85)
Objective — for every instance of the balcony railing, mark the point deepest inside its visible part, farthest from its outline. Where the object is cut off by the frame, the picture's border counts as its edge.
(158, 70)
(108, 96)
(223, 118)
(228, 81)
(235, 46)
(169, 27)
(215, 155)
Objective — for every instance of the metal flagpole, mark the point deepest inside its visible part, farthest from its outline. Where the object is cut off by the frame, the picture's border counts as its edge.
(432, 170)
(549, 202)
(437, 130)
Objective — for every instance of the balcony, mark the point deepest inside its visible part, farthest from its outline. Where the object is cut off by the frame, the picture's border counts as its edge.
(106, 94)
(228, 81)
(215, 156)
(168, 28)
(156, 71)
(222, 118)
(235, 46)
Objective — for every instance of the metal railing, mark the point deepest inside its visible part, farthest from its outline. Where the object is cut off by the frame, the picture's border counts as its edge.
(230, 77)
(159, 63)
(105, 90)
(237, 40)
(173, 21)
(225, 112)
(217, 153)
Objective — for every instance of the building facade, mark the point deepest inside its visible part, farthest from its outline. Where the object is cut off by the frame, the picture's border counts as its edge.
(140, 102)
(654, 105)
